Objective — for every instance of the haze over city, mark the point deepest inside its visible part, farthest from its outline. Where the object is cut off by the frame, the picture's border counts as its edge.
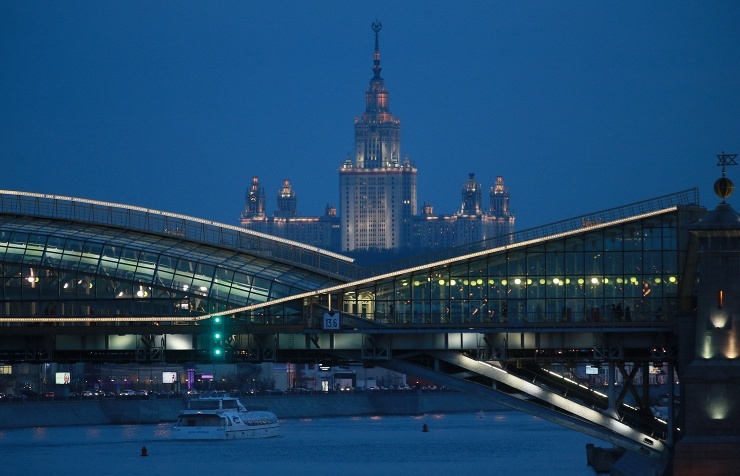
(580, 106)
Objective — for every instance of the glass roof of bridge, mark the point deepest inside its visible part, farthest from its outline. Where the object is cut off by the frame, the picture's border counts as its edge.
(45, 264)
(149, 221)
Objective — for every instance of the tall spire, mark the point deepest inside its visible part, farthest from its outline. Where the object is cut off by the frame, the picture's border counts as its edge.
(376, 62)
(376, 99)
(378, 194)
(377, 133)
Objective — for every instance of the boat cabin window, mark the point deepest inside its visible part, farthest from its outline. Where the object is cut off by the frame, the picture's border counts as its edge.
(200, 420)
(214, 404)
(204, 404)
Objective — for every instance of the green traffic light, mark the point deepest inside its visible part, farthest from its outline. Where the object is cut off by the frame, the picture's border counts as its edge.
(217, 333)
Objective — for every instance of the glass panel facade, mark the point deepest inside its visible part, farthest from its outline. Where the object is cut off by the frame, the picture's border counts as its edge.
(620, 274)
(627, 272)
(76, 271)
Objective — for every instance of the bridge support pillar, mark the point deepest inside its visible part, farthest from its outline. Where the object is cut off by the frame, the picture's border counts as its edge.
(611, 376)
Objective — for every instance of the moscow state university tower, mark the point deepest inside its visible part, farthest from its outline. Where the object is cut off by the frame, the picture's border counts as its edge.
(377, 190)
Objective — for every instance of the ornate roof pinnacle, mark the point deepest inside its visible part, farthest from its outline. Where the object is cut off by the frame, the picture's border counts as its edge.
(724, 187)
(376, 62)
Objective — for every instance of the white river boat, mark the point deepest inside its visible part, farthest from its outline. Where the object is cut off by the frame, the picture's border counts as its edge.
(223, 418)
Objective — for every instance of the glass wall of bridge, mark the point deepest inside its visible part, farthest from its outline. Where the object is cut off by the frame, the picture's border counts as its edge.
(625, 273)
(60, 270)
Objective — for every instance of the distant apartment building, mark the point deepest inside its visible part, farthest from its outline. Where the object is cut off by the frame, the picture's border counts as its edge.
(470, 224)
(378, 196)
(319, 231)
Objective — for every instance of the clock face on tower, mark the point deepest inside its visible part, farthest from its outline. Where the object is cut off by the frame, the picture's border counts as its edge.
(253, 198)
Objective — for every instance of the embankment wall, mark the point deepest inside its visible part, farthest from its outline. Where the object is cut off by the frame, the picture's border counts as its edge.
(122, 411)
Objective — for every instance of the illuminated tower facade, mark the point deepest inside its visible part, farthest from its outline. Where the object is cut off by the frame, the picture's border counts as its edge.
(286, 222)
(471, 197)
(287, 203)
(500, 218)
(499, 199)
(255, 201)
(377, 189)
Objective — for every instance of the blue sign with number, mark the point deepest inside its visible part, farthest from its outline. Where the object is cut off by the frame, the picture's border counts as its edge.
(331, 321)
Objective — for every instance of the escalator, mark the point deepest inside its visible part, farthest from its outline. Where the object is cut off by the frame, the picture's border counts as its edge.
(635, 416)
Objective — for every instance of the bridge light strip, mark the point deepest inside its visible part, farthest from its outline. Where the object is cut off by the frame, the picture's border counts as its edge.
(82, 320)
(575, 383)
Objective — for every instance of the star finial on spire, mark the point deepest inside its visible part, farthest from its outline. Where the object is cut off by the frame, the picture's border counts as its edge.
(376, 62)
(725, 160)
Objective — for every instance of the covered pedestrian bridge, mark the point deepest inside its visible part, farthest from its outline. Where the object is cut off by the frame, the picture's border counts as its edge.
(512, 319)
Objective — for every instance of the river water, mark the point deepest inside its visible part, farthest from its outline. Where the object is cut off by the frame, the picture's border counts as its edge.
(505, 442)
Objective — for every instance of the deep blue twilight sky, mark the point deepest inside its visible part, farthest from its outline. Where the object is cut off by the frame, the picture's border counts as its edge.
(579, 105)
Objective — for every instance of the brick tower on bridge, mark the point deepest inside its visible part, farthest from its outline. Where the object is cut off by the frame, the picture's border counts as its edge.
(709, 364)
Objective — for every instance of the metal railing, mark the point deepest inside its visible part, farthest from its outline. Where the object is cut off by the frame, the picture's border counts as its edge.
(181, 226)
(684, 198)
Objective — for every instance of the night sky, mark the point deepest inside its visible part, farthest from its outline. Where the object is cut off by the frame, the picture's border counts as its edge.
(579, 105)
